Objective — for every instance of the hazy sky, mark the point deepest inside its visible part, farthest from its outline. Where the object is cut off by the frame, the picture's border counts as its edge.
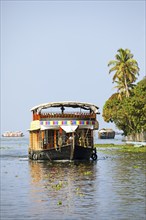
(59, 51)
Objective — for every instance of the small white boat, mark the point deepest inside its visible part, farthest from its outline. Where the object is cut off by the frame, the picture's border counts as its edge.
(13, 134)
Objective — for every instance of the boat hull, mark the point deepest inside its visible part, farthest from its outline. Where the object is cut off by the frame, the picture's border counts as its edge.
(106, 137)
(64, 153)
(106, 134)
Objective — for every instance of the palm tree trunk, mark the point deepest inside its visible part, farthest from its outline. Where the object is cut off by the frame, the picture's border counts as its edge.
(126, 86)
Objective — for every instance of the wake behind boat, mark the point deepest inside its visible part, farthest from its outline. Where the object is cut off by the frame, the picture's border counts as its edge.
(63, 134)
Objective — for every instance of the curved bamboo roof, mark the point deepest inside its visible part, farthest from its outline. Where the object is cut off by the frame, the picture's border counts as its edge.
(72, 104)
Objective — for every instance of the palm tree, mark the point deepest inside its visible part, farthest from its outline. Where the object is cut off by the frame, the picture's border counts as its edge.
(126, 69)
(122, 89)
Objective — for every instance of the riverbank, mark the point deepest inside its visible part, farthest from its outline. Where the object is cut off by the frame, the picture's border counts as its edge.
(122, 147)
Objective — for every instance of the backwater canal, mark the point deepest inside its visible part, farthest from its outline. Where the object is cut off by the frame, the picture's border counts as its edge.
(113, 187)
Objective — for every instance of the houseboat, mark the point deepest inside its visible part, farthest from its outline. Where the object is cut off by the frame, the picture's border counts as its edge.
(63, 131)
(106, 133)
(13, 134)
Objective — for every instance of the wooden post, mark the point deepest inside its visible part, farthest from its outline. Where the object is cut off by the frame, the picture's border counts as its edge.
(55, 138)
(72, 147)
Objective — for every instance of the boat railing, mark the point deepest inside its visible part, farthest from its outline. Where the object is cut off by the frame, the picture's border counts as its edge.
(75, 115)
(49, 143)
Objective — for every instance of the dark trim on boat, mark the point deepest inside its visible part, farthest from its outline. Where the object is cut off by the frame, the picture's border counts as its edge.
(64, 153)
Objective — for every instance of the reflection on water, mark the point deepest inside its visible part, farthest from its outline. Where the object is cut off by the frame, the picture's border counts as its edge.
(65, 186)
(111, 188)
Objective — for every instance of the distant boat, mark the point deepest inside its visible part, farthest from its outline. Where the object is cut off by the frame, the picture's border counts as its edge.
(62, 135)
(13, 134)
(106, 134)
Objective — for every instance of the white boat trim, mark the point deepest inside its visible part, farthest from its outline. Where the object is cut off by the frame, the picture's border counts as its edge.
(73, 104)
(69, 128)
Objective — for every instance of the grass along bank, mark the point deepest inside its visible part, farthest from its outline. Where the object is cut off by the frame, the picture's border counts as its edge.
(123, 148)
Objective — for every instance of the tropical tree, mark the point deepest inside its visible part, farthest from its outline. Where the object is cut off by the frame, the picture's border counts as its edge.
(126, 69)
(128, 114)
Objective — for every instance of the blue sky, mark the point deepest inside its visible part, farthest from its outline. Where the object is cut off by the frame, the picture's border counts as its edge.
(59, 51)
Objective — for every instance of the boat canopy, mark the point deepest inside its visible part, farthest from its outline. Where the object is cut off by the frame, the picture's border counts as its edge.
(73, 104)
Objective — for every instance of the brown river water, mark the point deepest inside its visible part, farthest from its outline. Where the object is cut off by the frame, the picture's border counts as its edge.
(113, 187)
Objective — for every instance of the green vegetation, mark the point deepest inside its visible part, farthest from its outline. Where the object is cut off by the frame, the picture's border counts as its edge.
(87, 173)
(58, 186)
(127, 107)
(124, 148)
(59, 203)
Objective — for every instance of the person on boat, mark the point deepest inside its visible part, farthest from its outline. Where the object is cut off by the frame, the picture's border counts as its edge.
(62, 109)
(70, 139)
(60, 141)
(82, 140)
